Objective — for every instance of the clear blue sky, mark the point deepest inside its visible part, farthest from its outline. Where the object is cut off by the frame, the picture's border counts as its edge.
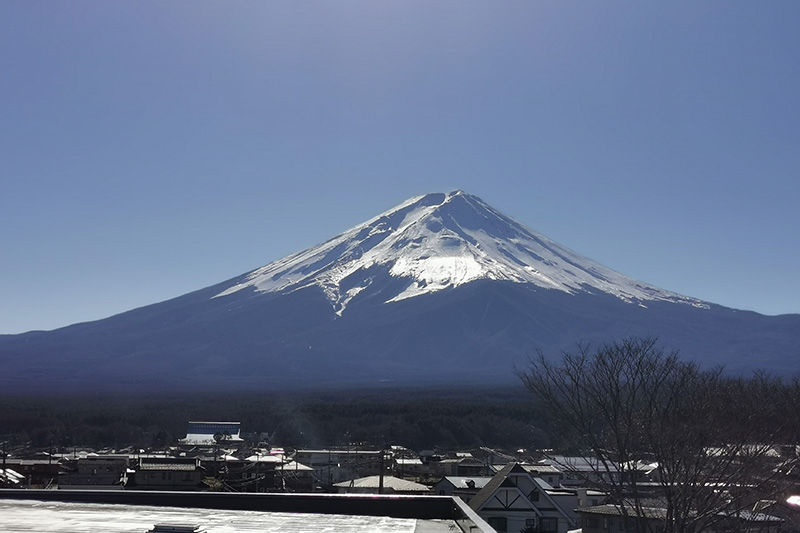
(151, 148)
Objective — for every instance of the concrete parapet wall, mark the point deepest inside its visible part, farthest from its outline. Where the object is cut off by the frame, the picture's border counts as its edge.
(396, 506)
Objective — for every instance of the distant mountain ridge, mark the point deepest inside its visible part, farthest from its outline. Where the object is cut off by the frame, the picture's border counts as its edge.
(441, 289)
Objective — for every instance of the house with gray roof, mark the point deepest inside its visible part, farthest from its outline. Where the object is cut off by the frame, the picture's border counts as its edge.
(465, 487)
(378, 485)
(167, 473)
(609, 517)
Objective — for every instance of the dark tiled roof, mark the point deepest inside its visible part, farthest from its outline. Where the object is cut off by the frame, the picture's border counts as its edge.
(189, 467)
(615, 510)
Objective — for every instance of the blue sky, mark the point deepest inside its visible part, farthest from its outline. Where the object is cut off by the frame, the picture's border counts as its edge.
(152, 148)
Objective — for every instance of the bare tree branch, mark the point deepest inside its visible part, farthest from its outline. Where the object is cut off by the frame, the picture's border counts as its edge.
(713, 436)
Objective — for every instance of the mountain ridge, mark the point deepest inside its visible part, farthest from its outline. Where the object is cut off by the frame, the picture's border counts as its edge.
(436, 241)
(420, 294)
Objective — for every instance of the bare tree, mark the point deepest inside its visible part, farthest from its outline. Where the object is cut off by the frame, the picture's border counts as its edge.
(712, 436)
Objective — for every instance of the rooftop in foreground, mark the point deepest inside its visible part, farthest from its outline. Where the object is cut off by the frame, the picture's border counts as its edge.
(56, 517)
(65, 511)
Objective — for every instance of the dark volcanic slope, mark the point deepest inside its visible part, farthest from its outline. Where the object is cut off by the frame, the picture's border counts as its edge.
(440, 290)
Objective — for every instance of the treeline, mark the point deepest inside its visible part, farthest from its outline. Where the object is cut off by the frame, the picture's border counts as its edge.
(416, 417)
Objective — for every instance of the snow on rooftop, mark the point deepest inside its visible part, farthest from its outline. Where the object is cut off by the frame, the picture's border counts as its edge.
(11, 476)
(20, 516)
(389, 482)
(265, 458)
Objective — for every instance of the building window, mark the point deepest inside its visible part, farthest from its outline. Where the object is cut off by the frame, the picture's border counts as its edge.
(530, 522)
(499, 523)
(591, 522)
(548, 525)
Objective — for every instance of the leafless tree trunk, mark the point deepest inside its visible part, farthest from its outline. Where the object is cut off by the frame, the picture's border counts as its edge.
(712, 436)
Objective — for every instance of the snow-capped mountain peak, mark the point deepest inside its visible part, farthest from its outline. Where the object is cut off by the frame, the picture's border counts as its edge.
(440, 241)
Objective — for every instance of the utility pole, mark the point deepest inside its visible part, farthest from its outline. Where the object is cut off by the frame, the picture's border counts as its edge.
(330, 476)
(380, 476)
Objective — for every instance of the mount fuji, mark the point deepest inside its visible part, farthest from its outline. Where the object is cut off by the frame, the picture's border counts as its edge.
(436, 242)
(440, 289)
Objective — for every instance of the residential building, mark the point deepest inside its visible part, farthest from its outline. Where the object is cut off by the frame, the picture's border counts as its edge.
(381, 485)
(10, 479)
(463, 487)
(405, 467)
(292, 476)
(167, 473)
(36, 472)
(95, 472)
(212, 434)
(460, 466)
(335, 465)
(551, 474)
(610, 518)
(514, 499)
(582, 471)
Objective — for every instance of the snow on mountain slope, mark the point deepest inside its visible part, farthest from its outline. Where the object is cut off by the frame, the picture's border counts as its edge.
(439, 241)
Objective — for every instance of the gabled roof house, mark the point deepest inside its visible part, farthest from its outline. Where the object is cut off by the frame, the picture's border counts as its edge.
(514, 499)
